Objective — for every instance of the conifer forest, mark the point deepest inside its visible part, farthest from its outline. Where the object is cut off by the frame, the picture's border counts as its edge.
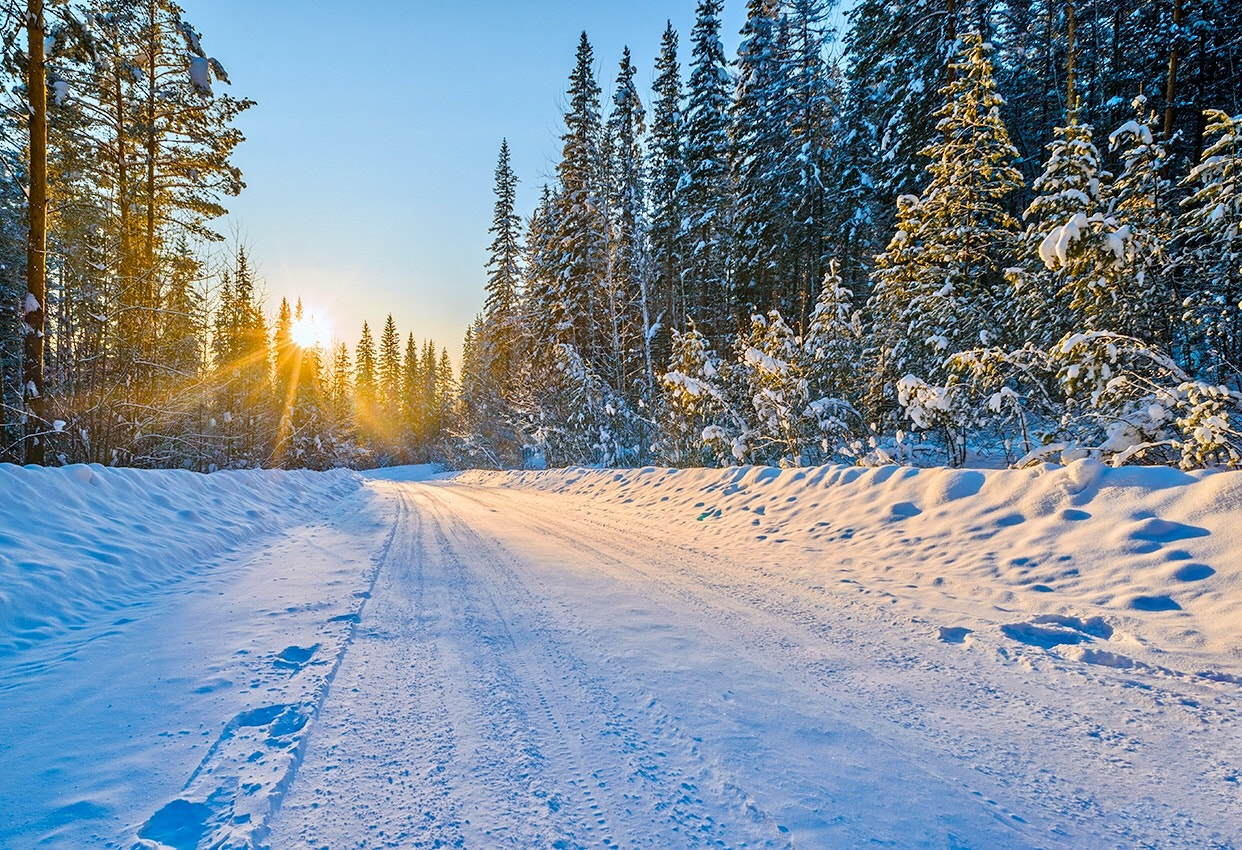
(992, 233)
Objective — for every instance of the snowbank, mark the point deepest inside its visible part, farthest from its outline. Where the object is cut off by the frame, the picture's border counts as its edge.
(82, 540)
(1155, 552)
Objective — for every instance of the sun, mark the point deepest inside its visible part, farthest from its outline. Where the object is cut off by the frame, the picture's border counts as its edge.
(310, 331)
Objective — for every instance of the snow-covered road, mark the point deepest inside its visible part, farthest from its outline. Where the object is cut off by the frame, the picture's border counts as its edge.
(524, 679)
(662, 659)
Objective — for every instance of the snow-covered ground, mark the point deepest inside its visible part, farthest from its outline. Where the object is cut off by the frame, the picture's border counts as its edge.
(586, 658)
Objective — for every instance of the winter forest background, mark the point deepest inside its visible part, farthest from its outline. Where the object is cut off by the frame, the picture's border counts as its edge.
(981, 233)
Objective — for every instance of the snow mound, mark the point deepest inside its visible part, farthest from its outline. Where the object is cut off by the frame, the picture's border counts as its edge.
(79, 541)
(1042, 558)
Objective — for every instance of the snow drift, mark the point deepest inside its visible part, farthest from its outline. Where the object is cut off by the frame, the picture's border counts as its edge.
(1156, 553)
(81, 540)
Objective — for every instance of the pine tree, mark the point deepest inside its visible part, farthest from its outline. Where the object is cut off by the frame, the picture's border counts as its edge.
(366, 386)
(938, 286)
(762, 168)
(706, 187)
(1208, 250)
(666, 168)
(578, 219)
(501, 316)
(631, 370)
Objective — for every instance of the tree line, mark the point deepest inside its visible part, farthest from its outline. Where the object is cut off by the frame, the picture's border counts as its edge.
(996, 232)
(990, 232)
(128, 337)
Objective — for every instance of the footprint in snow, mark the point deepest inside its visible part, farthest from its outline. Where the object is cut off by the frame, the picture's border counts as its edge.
(1194, 572)
(954, 634)
(1155, 603)
(1049, 630)
(295, 657)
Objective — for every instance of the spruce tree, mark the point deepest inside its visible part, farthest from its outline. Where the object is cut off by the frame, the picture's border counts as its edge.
(366, 386)
(578, 218)
(1142, 202)
(501, 305)
(631, 370)
(389, 375)
(938, 286)
(1208, 250)
(762, 168)
(819, 209)
(1045, 284)
(411, 398)
(666, 168)
(706, 185)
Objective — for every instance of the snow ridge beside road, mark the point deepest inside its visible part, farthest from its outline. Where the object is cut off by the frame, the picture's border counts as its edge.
(79, 541)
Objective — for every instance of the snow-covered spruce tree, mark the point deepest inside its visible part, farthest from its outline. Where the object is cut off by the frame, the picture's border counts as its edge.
(542, 311)
(705, 193)
(1141, 201)
(1086, 262)
(666, 168)
(771, 370)
(938, 286)
(1067, 197)
(630, 365)
(1090, 280)
(1207, 249)
(762, 170)
(366, 388)
(580, 420)
(504, 279)
(1133, 402)
(580, 226)
(831, 350)
(821, 214)
(698, 424)
(495, 346)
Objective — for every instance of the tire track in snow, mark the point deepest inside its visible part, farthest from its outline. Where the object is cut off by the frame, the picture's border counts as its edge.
(895, 658)
(730, 801)
(387, 752)
(668, 794)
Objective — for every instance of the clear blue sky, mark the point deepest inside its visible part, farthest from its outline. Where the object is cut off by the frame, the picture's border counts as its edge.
(369, 157)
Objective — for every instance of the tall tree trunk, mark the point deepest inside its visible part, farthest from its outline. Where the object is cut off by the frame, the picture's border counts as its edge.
(149, 290)
(950, 38)
(33, 309)
(1071, 99)
(1170, 94)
